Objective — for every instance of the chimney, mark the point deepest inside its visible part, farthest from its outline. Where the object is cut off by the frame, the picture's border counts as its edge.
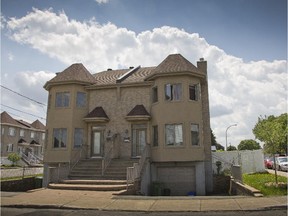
(109, 69)
(202, 65)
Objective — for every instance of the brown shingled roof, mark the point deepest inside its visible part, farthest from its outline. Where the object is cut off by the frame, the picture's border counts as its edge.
(74, 73)
(38, 125)
(109, 77)
(98, 112)
(174, 63)
(138, 110)
(6, 118)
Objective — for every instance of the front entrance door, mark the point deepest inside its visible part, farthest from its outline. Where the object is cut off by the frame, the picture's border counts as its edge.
(97, 144)
(138, 140)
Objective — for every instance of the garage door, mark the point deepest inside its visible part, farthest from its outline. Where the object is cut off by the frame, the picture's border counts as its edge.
(180, 180)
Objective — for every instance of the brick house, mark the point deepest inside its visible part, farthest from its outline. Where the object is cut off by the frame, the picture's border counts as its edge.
(21, 137)
(154, 120)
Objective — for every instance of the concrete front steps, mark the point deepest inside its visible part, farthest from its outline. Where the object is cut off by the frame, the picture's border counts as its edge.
(91, 185)
(87, 175)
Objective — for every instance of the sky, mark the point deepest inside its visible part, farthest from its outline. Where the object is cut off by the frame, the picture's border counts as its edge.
(243, 41)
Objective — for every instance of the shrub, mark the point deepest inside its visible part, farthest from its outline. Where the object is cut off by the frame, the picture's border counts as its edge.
(14, 158)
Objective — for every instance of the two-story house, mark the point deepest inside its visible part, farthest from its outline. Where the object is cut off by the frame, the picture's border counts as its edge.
(21, 137)
(156, 118)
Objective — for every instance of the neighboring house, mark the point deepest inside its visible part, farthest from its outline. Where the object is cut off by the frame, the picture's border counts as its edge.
(156, 113)
(23, 138)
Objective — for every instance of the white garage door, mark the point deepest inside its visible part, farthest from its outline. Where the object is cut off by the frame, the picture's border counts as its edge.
(180, 180)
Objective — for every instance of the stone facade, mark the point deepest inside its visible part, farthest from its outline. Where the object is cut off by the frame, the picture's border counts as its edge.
(168, 109)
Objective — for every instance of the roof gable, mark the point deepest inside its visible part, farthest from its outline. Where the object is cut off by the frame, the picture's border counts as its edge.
(74, 73)
(38, 125)
(98, 112)
(175, 63)
(6, 118)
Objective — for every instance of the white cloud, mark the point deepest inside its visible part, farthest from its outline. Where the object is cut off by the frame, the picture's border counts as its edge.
(102, 1)
(10, 57)
(239, 91)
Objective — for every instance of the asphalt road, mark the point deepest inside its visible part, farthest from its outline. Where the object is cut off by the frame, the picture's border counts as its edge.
(62, 212)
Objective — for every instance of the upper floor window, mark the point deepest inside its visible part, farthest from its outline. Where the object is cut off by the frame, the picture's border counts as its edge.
(59, 137)
(22, 133)
(43, 136)
(3, 130)
(81, 99)
(78, 137)
(174, 134)
(194, 92)
(62, 99)
(32, 134)
(154, 94)
(173, 92)
(195, 134)
(11, 131)
(155, 135)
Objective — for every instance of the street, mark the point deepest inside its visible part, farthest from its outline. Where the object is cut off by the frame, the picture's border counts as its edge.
(63, 212)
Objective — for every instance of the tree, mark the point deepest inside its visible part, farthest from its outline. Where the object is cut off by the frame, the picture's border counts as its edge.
(249, 144)
(215, 143)
(231, 148)
(14, 158)
(273, 132)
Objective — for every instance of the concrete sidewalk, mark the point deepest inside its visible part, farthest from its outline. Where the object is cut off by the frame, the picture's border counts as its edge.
(72, 199)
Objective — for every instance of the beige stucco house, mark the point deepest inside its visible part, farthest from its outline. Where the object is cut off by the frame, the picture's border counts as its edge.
(156, 117)
(21, 137)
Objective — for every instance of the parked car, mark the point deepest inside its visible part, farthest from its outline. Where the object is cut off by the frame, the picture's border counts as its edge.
(268, 162)
(281, 163)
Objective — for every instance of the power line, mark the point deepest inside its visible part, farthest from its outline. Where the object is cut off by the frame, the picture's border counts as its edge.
(23, 112)
(23, 95)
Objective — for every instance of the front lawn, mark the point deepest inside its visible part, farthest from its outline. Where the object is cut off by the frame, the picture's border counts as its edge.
(265, 183)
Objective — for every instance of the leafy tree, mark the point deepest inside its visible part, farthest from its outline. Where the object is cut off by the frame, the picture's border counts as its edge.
(215, 143)
(249, 144)
(14, 158)
(273, 132)
(231, 148)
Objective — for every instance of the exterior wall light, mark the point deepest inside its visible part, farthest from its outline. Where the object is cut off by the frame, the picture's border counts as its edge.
(126, 136)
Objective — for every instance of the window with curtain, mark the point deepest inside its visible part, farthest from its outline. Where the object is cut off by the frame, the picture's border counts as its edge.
(59, 137)
(174, 134)
(62, 99)
(173, 92)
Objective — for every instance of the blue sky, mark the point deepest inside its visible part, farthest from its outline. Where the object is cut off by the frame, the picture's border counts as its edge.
(244, 41)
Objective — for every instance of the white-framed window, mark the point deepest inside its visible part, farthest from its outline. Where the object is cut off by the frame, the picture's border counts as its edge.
(32, 134)
(81, 99)
(155, 135)
(62, 99)
(194, 92)
(59, 137)
(173, 92)
(195, 134)
(11, 131)
(174, 134)
(78, 137)
(22, 132)
(43, 136)
(10, 147)
(154, 94)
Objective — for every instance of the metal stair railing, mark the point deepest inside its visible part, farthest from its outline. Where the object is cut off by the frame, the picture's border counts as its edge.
(136, 171)
(107, 159)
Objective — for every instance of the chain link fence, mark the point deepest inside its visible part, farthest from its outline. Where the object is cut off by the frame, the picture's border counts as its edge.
(21, 172)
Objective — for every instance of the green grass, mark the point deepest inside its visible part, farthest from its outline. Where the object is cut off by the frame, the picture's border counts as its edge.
(258, 181)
